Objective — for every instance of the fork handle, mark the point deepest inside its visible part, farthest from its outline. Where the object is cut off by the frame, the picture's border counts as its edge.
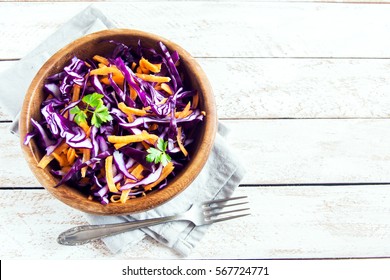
(83, 234)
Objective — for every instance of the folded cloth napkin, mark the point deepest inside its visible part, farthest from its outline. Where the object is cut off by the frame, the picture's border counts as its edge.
(218, 179)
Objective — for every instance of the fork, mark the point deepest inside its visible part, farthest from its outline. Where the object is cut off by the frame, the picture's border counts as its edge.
(204, 213)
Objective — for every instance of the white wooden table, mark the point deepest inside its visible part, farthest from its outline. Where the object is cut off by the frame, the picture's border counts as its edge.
(304, 88)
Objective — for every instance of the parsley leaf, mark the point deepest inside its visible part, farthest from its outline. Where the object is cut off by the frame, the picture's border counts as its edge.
(93, 99)
(159, 155)
(95, 107)
(160, 144)
(80, 115)
(154, 155)
(165, 158)
(100, 115)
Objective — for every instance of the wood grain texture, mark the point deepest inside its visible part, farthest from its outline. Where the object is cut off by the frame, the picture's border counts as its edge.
(13, 167)
(4, 115)
(313, 151)
(293, 88)
(300, 88)
(349, 221)
(206, 29)
(275, 152)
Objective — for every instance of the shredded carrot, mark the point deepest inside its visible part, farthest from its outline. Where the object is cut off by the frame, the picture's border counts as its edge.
(166, 88)
(132, 168)
(63, 146)
(119, 145)
(144, 70)
(164, 174)
(180, 143)
(45, 161)
(133, 65)
(71, 155)
(106, 81)
(133, 93)
(136, 171)
(129, 111)
(144, 136)
(155, 68)
(153, 78)
(101, 59)
(102, 173)
(86, 157)
(185, 112)
(130, 118)
(61, 159)
(119, 80)
(157, 86)
(84, 125)
(139, 70)
(109, 175)
(195, 101)
(124, 196)
(84, 180)
(146, 145)
(76, 93)
(116, 198)
(153, 127)
(106, 70)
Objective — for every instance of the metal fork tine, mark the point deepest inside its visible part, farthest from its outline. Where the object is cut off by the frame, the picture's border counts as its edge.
(223, 200)
(225, 212)
(212, 208)
(227, 218)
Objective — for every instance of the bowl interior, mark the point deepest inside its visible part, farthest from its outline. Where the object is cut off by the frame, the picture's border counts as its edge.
(85, 48)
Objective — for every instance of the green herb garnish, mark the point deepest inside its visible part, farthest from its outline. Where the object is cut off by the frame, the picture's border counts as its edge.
(95, 107)
(159, 155)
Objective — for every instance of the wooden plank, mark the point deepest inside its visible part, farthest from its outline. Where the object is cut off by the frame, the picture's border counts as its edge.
(300, 88)
(4, 115)
(312, 151)
(220, 29)
(14, 171)
(274, 152)
(294, 88)
(288, 222)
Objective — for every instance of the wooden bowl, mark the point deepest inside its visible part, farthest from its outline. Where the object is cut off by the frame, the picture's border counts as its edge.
(84, 48)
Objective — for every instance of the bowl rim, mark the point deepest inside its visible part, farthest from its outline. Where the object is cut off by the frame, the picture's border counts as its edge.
(68, 196)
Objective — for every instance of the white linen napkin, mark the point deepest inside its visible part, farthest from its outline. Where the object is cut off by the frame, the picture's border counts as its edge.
(218, 179)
